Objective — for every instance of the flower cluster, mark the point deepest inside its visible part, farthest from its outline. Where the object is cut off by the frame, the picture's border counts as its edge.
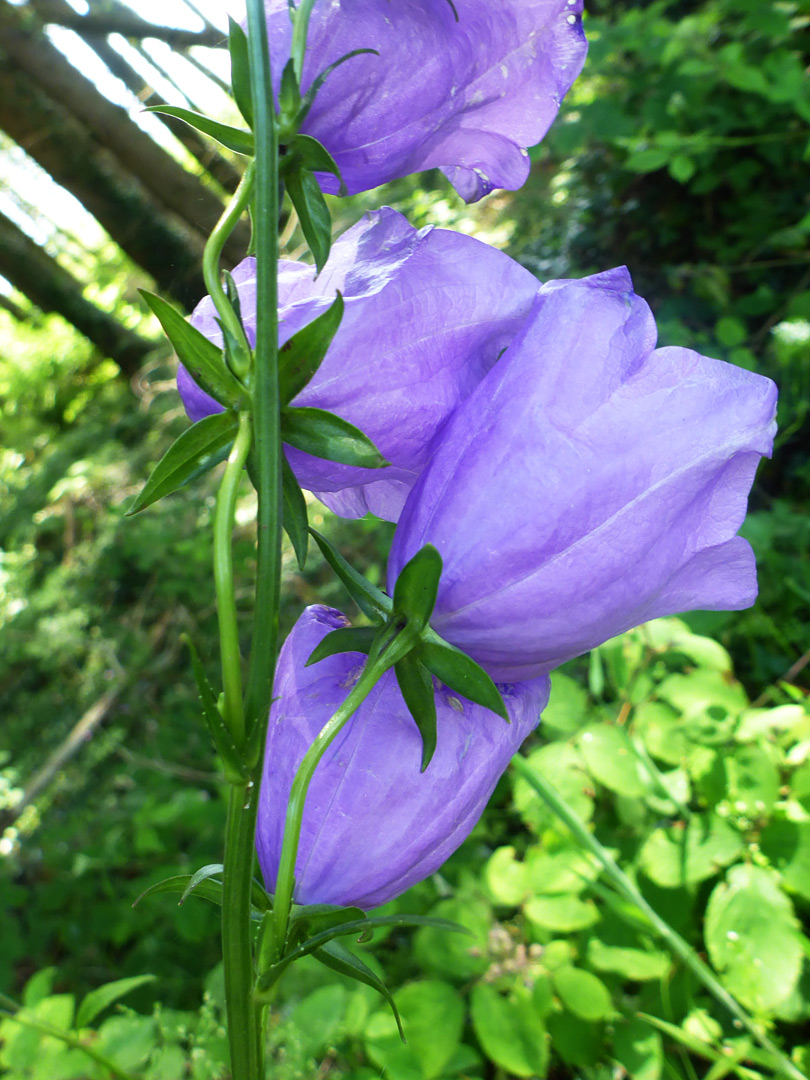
(575, 479)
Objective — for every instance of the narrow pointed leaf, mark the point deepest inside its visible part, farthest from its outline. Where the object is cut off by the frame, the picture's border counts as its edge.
(311, 154)
(294, 511)
(417, 585)
(201, 875)
(316, 918)
(223, 740)
(336, 956)
(416, 687)
(321, 79)
(303, 354)
(461, 673)
(372, 601)
(236, 139)
(104, 996)
(313, 213)
(325, 435)
(201, 447)
(240, 70)
(353, 639)
(208, 890)
(361, 926)
(289, 102)
(202, 359)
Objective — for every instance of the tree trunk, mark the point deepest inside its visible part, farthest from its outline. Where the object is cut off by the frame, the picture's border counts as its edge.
(52, 288)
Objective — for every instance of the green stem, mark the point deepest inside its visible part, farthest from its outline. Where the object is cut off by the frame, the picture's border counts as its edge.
(19, 1016)
(625, 887)
(266, 403)
(210, 264)
(244, 1027)
(299, 38)
(223, 581)
(369, 677)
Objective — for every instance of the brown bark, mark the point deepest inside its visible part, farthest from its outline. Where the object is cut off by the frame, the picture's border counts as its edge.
(169, 183)
(52, 288)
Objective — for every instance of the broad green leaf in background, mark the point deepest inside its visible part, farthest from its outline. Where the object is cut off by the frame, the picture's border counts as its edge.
(752, 937)
(510, 1030)
(752, 781)
(582, 993)
(786, 845)
(610, 757)
(432, 1016)
(637, 1048)
(684, 856)
(104, 996)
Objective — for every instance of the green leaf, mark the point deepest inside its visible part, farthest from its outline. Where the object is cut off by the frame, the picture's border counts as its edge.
(303, 354)
(357, 639)
(752, 781)
(313, 155)
(786, 845)
(223, 740)
(753, 938)
(240, 70)
(313, 213)
(433, 1017)
(461, 673)
(201, 357)
(638, 965)
(325, 435)
(416, 587)
(684, 856)
(236, 139)
(337, 957)
(416, 687)
(510, 1031)
(103, 996)
(289, 104)
(199, 876)
(294, 512)
(582, 993)
(564, 913)
(307, 920)
(611, 758)
(638, 1049)
(201, 447)
(371, 600)
(208, 890)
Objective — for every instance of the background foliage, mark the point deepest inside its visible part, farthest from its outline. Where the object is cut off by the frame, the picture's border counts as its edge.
(681, 152)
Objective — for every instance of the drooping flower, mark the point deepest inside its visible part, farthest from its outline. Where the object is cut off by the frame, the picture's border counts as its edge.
(590, 483)
(466, 94)
(373, 824)
(427, 313)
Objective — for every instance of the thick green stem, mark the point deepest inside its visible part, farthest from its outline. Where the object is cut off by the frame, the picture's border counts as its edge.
(625, 887)
(244, 1016)
(266, 404)
(223, 581)
(369, 677)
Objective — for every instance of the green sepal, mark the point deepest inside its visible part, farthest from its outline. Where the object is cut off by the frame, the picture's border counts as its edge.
(103, 996)
(461, 673)
(294, 513)
(236, 139)
(325, 435)
(232, 292)
(301, 356)
(237, 356)
(240, 70)
(419, 694)
(232, 765)
(306, 152)
(313, 213)
(357, 639)
(372, 601)
(417, 586)
(338, 958)
(200, 447)
(289, 103)
(201, 357)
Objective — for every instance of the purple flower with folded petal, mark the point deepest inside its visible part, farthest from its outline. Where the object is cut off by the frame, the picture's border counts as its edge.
(467, 94)
(427, 313)
(590, 483)
(374, 824)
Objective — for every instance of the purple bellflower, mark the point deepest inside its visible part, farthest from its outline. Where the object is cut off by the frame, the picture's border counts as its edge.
(373, 825)
(427, 313)
(467, 95)
(590, 483)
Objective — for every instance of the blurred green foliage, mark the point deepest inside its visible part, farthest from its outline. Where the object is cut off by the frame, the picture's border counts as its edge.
(682, 152)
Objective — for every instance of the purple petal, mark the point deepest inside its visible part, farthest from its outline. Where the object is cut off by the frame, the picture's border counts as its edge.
(590, 483)
(468, 96)
(373, 824)
(427, 313)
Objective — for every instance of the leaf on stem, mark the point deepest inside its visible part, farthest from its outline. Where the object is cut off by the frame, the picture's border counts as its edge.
(223, 741)
(351, 639)
(196, 353)
(336, 956)
(201, 447)
(240, 70)
(325, 435)
(417, 586)
(236, 139)
(303, 354)
(313, 213)
(417, 689)
(103, 996)
(294, 511)
(372, 601)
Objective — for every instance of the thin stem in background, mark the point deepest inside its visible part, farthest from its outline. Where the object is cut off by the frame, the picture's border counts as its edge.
(625, 887)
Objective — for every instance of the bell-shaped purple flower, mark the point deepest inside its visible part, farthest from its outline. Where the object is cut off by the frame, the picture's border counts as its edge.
(467, 94)
(590, 483)
(427, 313)
(374, 824)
